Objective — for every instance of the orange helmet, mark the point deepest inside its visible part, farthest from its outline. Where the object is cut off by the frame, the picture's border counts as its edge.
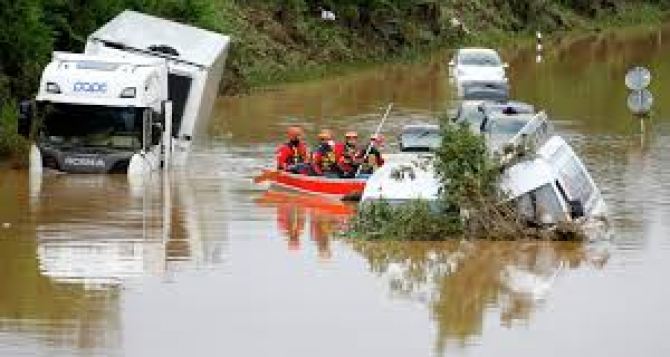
(325, 134)
(294, 132)
(351, 134)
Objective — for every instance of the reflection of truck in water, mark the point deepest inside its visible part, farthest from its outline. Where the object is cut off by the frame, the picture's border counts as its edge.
(142, 86)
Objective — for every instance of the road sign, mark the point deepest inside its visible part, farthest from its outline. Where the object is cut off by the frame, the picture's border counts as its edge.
(640, 101)
(638, 78)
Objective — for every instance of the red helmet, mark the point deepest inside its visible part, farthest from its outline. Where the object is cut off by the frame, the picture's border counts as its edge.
(294, 132)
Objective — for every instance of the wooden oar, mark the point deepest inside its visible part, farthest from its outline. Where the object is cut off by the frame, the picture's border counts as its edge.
(266, 175)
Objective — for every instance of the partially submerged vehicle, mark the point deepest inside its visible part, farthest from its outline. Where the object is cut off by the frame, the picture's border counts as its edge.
(477, 65)
(419, 138)
(553, 187)
(141, 91)
(504, 133)
(483, 91)
(408, 175)
(403, 181)
(474, 112)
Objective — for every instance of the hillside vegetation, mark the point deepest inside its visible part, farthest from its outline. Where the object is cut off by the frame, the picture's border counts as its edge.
(278, 40)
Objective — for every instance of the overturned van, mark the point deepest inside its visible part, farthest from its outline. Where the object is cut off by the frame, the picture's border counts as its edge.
(553, 187)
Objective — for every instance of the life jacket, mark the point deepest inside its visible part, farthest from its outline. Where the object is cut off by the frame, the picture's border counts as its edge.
(325, 157)
(373, 161)
(350, 153)
(298, 153)
(347, 160)
(289, 154)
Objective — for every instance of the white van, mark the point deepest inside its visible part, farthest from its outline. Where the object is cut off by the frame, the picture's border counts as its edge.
(553, 187)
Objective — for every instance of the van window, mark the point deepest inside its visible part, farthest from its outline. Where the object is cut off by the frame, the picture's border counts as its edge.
(575, 180)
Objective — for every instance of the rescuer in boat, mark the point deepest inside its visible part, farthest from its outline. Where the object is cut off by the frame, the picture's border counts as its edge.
(324, 157)
(293, 155)
(374, 157)
(350, 157)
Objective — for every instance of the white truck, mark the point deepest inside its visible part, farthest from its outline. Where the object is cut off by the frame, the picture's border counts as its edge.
(140, 93)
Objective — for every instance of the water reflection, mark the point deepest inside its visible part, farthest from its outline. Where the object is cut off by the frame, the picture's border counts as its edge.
(463, 281)
(71, 246)
(60, 315)
(306, 217)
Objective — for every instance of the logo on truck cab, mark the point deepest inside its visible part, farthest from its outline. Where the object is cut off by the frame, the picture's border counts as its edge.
(90, 87)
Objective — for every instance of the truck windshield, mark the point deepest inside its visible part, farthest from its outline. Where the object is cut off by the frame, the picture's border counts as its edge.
(88, 125)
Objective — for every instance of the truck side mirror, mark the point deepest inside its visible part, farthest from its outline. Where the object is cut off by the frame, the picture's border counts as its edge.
(156, 133)
(576, 209)
(25, 118)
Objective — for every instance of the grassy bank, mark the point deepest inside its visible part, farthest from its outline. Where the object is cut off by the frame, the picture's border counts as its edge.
(275, 41)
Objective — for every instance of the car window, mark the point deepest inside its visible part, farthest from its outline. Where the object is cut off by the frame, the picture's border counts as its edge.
(574, 179)
(420, 139)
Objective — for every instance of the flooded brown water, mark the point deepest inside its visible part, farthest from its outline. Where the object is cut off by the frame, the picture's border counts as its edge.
(213, 265)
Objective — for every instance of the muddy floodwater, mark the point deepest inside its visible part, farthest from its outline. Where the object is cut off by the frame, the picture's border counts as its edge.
(204, 263)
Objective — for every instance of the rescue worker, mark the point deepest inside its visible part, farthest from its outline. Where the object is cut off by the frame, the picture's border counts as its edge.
(374, 158)
(350, 156)
(293, 155)
(324, 157)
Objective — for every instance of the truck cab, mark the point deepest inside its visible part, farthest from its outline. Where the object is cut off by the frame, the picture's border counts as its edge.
(98, 114)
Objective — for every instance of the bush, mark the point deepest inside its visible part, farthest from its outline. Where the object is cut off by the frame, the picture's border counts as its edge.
(12, 145)
(418, 220)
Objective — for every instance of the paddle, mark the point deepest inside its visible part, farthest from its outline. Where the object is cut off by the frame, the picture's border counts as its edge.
(379, 128)
(266, 175)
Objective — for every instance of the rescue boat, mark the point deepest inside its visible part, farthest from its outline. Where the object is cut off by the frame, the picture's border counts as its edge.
(335, 188)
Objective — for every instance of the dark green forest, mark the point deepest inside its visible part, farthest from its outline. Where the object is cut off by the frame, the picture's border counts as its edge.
(277, 40)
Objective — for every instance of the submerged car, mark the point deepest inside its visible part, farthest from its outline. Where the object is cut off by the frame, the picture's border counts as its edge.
(407, 175)
(483, 91)
(473, 112)
(420, 138)
(477, 66)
